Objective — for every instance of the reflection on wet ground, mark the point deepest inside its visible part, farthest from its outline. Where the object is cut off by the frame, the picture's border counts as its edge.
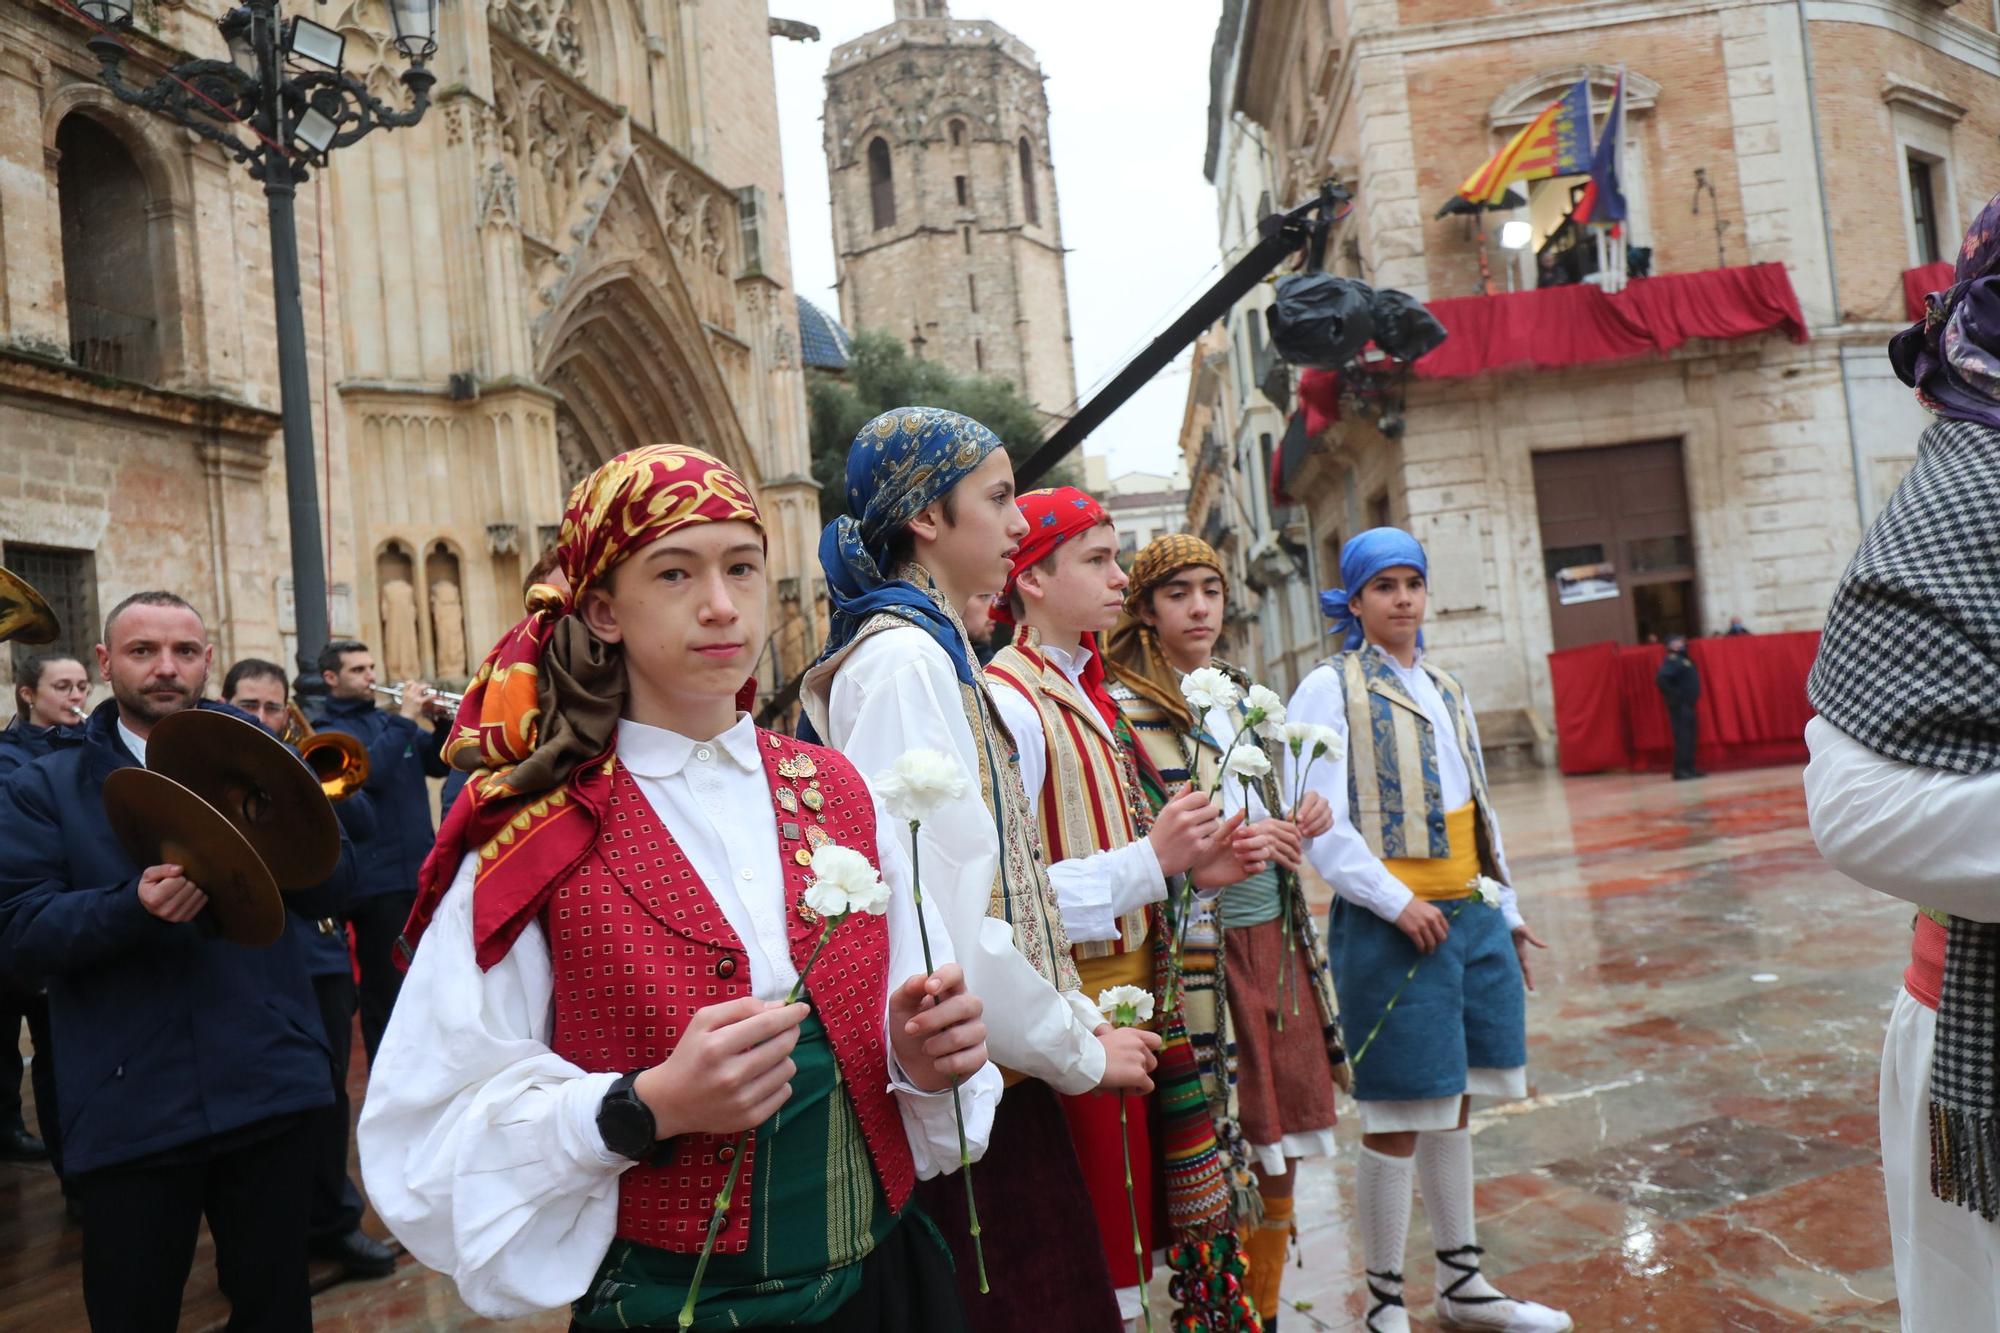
(1698, 1148)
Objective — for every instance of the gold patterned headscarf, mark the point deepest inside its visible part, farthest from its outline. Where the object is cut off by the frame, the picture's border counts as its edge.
(1132, 653)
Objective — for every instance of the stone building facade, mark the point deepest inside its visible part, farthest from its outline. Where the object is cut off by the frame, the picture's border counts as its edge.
(946, 227)
(580, 249)
(1847, 141)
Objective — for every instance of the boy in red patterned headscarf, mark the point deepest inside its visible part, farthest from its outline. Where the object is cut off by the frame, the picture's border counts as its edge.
(602, 935)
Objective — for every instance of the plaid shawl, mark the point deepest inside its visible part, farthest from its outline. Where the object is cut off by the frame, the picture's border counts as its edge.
(1909, 665)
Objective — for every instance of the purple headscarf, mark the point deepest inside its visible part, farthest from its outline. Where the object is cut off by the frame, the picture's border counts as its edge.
(1951, 357)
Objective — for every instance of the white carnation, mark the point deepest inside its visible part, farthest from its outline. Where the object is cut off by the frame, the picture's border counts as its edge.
(1125, 1005)
(1247, 763)
(1489, 891)
(1209, 687)
(1329, 744)
(843, 882)
(919, 784)
(1299, 736)
(1265, 712)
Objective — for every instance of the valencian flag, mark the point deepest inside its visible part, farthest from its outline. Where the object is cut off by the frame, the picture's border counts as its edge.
(1555, 143)
(1603, 200)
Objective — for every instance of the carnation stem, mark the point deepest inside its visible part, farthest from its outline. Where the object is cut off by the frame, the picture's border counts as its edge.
(957, 1111)
(1354, 1061)
(720, 1217)
(1132, 1202)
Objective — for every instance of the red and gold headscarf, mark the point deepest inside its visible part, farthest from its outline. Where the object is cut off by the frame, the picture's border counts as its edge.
(541, 714)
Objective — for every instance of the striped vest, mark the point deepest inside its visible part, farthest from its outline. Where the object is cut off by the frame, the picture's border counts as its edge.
(1090, 800)
(1392, 765)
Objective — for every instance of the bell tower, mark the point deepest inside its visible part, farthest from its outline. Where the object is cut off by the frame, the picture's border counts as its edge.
(945, 222)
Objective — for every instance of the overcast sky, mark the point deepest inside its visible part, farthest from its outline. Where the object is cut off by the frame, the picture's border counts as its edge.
(1128, 112)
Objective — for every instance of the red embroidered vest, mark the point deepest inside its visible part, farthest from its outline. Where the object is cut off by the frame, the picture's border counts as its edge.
(637, 946)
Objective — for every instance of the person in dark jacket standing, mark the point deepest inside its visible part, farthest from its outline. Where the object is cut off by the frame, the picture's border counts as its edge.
(189, 1063)
(259, 688)
(1680, 686)
(401, 754)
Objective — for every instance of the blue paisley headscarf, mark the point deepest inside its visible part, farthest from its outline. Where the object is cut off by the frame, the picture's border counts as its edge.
(904, 459)
(1951, 356)
(1362, 559)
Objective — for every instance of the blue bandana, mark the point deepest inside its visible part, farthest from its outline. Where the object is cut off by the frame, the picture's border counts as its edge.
(1362, 559)
(901, 461)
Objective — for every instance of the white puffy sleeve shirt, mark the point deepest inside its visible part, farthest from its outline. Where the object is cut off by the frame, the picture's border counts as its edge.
(896, 691)
(479, 1144)
(1341, 855)
(1093, 891)
(1926, 835)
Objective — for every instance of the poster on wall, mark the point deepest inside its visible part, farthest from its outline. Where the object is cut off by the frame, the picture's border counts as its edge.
(1586, 583)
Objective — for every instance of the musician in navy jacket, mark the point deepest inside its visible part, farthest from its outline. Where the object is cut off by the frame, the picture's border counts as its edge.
(401, 755)
(189, 1064)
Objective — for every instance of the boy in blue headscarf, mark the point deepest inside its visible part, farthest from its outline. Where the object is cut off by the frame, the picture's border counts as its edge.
(1420, 881)
(933, 523)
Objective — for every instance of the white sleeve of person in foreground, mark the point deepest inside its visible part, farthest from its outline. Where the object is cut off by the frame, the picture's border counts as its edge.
(896, 692)
(1929, 836)
(479, 1144)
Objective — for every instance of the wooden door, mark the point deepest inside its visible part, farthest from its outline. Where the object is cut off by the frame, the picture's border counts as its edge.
(1617, 544)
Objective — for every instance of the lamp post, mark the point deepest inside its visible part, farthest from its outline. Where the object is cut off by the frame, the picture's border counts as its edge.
(283, 82)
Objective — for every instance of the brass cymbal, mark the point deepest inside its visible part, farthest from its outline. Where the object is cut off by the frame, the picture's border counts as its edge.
(23, 613)
(260, 787)
(160, 822)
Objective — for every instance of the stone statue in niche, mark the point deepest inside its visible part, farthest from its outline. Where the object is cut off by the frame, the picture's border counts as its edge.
(399, 655)
(448, 628)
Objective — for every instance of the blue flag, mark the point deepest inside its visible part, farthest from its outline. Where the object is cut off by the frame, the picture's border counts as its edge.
(1603, 201)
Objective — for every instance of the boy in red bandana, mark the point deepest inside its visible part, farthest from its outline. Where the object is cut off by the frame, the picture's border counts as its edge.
(1110, 858)
(615, 907)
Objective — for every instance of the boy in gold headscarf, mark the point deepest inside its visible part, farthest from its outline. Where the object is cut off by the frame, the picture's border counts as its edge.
(1285, 1068)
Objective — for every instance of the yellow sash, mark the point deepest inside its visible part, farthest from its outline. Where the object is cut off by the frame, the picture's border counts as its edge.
(1438, 879)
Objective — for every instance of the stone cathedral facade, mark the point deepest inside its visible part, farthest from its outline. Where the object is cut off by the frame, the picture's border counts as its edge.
(945, 222)
(581, 249)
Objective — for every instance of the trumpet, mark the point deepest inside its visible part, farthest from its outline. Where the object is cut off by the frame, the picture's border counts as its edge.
(80, 714)
(439, 698)
(338, 760)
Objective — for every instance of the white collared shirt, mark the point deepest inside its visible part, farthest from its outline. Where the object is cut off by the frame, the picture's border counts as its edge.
(896, 691)
(1341, 855)
(133, 742)
(1093, 891)
(1925, 835)
(479, 1144)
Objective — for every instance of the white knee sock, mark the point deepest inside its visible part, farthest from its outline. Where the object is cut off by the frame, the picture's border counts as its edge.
(1444, 1166)
(1382, 1186)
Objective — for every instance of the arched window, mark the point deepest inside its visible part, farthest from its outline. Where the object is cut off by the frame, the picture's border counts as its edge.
(881, 184)
(1029, 205)
(958, 134)
(102, 200)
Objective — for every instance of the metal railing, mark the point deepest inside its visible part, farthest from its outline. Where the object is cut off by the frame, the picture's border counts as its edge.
(113, 342)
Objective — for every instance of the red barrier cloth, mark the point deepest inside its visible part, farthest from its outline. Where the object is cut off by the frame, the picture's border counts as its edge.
(1319, 396)
(1921, 281)
(1590, 711)
(1579, 325)
(1753, 709)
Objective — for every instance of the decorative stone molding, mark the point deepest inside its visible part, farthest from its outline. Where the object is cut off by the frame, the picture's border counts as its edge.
(24, 372)
(503, 538)
(1899, 91)
(1523, 101)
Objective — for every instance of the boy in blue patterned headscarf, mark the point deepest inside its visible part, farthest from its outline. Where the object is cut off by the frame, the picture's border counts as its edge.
(933, 523)
(1429, 952)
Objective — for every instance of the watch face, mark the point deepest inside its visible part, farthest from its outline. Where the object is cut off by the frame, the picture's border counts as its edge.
(626, 1125)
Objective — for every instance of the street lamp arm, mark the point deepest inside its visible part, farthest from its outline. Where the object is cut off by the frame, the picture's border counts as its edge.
(206, 96)
(346, 101)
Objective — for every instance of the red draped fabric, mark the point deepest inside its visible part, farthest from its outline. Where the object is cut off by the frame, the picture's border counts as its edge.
(1753, 707)
(1922, 280)
(1554, 327)
(1319, 399)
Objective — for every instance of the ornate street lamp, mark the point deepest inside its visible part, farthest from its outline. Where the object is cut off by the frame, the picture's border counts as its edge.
(284, 84)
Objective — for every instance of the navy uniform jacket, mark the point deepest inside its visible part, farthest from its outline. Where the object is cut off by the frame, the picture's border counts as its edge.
(23, 743)
(169, 1035)
(1679, 680)
(326, 952)
(400, 755)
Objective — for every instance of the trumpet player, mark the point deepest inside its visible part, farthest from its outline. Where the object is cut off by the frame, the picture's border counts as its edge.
(403, 750)
(49, 690)
(259, 688)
